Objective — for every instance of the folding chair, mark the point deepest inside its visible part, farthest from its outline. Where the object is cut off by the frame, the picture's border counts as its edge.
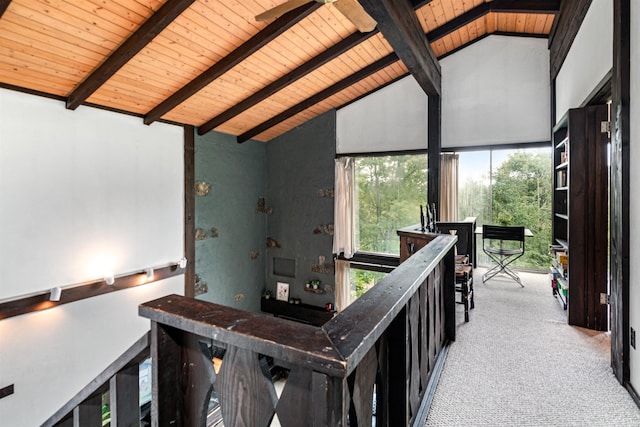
(504, 245)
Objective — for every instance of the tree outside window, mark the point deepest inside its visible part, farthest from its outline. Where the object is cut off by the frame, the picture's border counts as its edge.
(390, 190)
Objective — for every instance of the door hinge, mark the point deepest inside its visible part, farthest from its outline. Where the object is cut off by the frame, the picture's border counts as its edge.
(605, 127)
(605, 298)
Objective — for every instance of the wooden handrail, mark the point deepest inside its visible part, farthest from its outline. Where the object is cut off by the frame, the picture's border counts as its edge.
(93, 391)
(388, 340)
(352, 333)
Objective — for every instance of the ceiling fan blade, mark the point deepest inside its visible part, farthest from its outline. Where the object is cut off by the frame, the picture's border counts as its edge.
(355, 13)
(280, 10)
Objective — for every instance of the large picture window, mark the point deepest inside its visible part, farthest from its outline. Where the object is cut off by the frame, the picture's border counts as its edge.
(509, 187)
(389, 192)
(499, 186)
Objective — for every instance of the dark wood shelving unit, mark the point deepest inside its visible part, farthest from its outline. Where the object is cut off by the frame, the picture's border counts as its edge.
(580, 214)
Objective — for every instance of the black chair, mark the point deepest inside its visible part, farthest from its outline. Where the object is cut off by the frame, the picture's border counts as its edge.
(504, 245)
(464, 285)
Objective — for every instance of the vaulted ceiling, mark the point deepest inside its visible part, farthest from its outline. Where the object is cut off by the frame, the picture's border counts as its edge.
(210, 64)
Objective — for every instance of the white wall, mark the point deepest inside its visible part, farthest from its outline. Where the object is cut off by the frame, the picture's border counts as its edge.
(589, 59)
(81, 192)
(634, 199)
(496, 91)
(391, 119)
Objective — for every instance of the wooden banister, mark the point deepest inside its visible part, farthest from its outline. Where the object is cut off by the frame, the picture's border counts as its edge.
(387, 343)
(121, 379)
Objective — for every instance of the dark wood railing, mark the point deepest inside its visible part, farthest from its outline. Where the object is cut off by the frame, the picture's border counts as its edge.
(121, 381)
(389, 344)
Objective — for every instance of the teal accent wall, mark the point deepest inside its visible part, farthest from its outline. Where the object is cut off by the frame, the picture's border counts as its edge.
(295, 174)
(300, 170)
(237, 175)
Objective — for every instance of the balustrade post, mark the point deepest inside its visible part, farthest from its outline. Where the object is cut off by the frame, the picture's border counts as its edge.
(449, 289)
(182, 377)
(124, 396)
(398, 378)
(389, 339)
(330, 400)
(166, 358)
(89, 412)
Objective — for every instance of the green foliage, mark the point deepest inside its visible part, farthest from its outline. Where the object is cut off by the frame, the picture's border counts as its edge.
(522, 196)
(390, 192)
(363, 280)
(391, 189)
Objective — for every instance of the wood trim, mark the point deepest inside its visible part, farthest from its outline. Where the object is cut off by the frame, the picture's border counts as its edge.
(620, 190)
(189, 212)
(459, 22)
(6, 391)
(632, 392)
(495, 33)
(248, 48)
(383, 153)
(4, 4)
(399, 24)
(434, 146)
(525, 6)
(86, 104)
(564, 31)
(325, 93)
(127, 50)
(87, 290)
(132, 356)
(601, 93)
(514, 146)
(291, 77)
(417, 4)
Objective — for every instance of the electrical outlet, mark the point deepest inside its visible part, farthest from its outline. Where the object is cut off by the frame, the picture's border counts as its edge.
(633, 338)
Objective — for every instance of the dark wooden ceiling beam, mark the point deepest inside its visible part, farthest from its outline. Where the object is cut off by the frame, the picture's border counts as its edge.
(4, 4)
(417, 4)
(248, 48)
(525, 6)
(399, 24)
(127, 50)
(459, 22)
(323, 94)
(289, 78)
(306, 68)
(497, 6)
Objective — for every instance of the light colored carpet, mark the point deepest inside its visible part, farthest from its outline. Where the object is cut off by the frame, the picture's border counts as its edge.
(518, 363)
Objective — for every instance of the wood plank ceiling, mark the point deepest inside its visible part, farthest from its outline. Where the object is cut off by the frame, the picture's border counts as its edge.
(209, 64)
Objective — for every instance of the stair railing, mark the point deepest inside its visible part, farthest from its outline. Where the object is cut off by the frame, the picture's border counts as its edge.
(379, 358)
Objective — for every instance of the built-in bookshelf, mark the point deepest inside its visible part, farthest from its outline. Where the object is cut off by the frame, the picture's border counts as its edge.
(560, 245)
(580, 216)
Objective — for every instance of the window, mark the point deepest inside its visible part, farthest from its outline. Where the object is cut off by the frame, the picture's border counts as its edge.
(509, 187)
(363, 280)
(389, 192)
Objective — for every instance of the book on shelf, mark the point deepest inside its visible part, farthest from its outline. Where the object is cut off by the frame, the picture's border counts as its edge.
(562, 178)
